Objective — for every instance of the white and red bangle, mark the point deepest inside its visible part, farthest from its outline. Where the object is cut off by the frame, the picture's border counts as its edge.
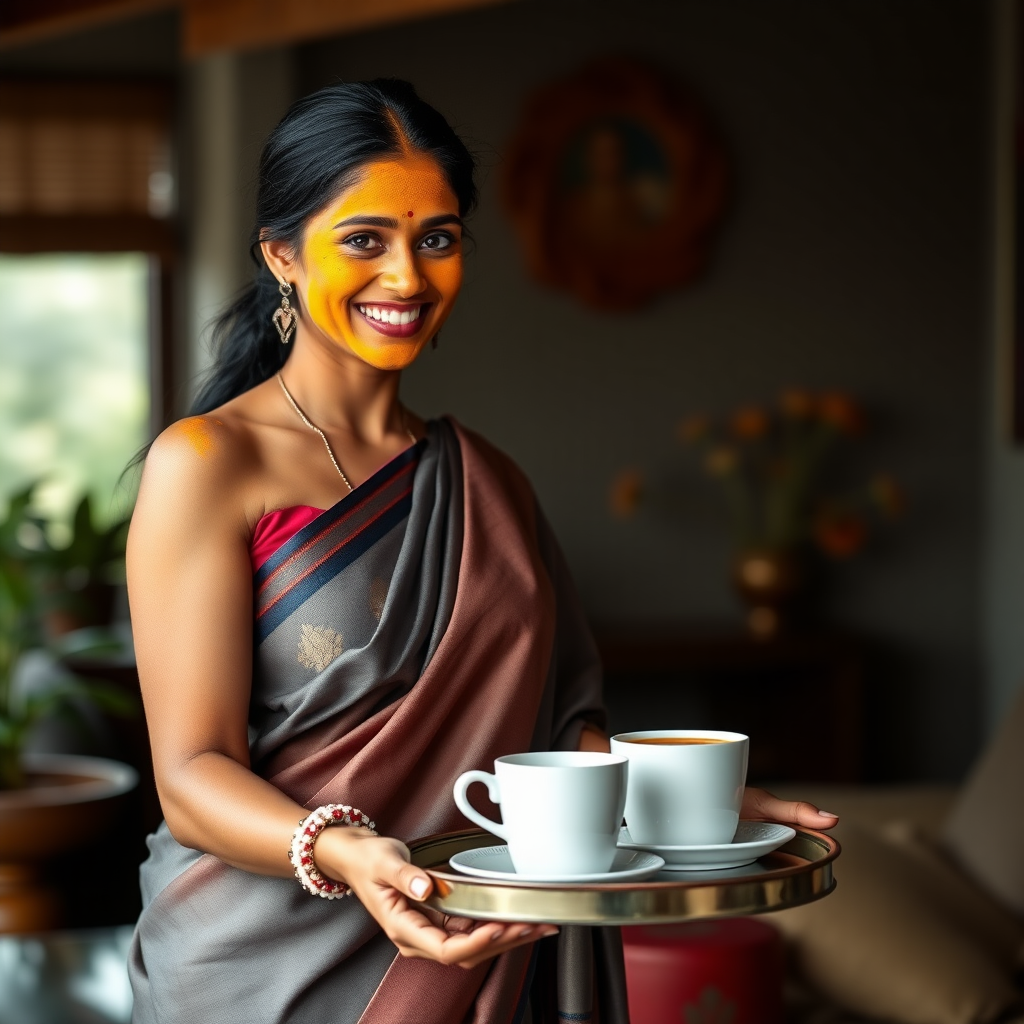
(301, 852)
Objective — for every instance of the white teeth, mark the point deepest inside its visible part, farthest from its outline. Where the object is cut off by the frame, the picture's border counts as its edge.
(391, 316)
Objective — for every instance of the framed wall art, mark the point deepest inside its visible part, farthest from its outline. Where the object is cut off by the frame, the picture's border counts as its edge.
(614, 183)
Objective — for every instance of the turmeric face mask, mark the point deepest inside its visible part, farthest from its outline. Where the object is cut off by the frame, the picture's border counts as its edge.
(383, 262)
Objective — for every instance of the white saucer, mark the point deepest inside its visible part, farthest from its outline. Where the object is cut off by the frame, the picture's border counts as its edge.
(753, 839)
(495, 862)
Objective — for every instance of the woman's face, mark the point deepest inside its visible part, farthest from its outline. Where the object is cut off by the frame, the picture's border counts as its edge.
(382, 264)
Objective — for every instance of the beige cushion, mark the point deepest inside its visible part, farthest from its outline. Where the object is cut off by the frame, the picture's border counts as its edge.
(926, 805)
(959, 898)
(985, 831)
(887, 944)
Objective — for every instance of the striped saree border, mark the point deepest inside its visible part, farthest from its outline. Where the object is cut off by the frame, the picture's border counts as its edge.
(332, 541)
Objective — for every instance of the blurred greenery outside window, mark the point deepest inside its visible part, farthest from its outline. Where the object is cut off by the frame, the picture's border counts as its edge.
(75, 380)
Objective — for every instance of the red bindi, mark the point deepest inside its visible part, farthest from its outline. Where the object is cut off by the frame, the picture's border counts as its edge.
(410, 213)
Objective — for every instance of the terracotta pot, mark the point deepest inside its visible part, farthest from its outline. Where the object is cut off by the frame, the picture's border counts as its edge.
(770, 583)
(69, 802)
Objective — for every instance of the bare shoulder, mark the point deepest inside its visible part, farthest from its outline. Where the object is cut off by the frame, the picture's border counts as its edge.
(194, 454)
(197, 446)
(199, 469)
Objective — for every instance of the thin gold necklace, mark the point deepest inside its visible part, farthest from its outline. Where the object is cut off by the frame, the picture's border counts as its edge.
(323, 436)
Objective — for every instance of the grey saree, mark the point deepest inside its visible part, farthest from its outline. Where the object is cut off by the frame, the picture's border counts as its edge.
(421, 627)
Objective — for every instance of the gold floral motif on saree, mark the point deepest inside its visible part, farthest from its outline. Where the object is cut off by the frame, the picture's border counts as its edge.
(319, 646)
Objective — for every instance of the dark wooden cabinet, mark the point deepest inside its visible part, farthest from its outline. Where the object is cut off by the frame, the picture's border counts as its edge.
(799, 697)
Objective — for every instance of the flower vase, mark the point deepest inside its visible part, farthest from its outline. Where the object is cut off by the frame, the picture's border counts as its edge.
(770, 584)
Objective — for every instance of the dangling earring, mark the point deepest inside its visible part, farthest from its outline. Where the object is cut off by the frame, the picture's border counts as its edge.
(284, 316)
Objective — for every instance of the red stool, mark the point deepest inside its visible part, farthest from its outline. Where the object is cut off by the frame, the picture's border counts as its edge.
(727, 971)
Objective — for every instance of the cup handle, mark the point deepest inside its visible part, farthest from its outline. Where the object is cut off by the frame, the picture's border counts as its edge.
(462, 783)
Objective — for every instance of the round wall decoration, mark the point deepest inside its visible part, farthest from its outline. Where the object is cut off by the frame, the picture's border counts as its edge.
(614, 183)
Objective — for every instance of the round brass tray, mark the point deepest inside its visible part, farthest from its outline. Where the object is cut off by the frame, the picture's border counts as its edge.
(799, 872)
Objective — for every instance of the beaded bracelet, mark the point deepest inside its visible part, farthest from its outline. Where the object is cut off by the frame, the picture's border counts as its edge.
(301, 851)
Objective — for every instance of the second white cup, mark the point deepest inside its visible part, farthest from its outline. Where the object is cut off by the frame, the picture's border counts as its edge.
(560, 810)
(685, 785)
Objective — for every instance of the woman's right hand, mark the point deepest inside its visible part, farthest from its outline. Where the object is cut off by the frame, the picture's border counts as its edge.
(379, 872)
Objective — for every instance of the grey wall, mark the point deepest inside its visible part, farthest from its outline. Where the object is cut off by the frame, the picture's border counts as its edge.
(854, 257)
(1004, 637)
(1004, 561)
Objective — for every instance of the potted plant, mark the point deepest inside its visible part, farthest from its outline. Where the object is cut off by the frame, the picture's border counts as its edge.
(81, 578)
(778, 469)
(47, 803)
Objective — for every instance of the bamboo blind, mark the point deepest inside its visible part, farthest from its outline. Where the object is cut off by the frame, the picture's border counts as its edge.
(89, 149)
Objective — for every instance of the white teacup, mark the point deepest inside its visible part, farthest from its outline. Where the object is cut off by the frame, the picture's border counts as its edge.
(561, 810)
(683, 792)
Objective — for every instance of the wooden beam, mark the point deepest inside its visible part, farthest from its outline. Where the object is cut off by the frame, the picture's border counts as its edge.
(212, 25)
(40, 97)
(31, 233)
(29, 21)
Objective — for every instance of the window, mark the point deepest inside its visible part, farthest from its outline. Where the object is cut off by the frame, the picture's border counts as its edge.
(74, 389)
(86, 262)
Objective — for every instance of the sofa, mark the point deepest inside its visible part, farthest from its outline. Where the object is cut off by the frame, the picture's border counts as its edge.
(926, 925)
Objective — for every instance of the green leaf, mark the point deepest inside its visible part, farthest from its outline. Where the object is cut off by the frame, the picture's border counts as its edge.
(110, 698)
(87, 642)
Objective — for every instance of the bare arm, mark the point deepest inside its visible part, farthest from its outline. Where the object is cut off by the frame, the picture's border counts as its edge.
(190, 593)
(190, 590)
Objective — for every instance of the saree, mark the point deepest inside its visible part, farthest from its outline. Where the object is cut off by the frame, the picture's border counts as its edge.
(420, 628)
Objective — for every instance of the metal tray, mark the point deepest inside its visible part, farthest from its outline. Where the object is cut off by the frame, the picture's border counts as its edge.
(799, 872)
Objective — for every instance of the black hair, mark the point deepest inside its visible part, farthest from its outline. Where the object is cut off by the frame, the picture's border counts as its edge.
(314, 152)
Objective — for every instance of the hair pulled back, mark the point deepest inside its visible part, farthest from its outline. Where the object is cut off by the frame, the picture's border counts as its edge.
(314, 152)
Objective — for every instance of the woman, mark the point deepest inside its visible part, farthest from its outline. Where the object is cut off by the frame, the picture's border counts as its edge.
(337, 603)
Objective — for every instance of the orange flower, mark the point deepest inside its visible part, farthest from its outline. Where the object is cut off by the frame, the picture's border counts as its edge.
(840, 535)
(888, 496)
(750, 422)
(796, 404)
(721, 461)
(692, 428)
(626, 492)
(840, 411)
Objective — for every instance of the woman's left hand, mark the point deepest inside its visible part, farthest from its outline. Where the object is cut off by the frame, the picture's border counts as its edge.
(760, 805)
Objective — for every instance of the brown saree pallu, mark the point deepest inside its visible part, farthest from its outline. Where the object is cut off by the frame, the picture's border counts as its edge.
(421, 627)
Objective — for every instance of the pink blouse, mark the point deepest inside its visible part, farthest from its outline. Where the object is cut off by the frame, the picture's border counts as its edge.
(277, 528)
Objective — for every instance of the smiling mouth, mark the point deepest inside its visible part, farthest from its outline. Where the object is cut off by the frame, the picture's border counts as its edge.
(394, 321)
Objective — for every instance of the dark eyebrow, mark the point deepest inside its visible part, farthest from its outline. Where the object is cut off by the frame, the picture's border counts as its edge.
(390, 222)
(374, 222)
(444, 218)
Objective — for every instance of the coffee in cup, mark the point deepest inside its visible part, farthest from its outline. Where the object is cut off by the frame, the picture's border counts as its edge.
(676, 741)
(685, 785)
(561, 810)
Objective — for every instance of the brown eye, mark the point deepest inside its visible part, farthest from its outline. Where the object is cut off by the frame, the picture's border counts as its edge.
(363, 241)
(437, 241)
